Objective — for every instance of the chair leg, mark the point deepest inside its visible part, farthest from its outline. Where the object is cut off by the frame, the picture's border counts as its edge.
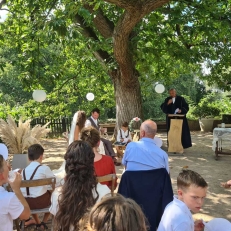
(16, 221)
(23, 225)
(52, 223)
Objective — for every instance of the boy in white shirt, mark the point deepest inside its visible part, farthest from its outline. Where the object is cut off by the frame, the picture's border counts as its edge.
(123, 136)
(12, 204)
(37, 197)
(192, 189)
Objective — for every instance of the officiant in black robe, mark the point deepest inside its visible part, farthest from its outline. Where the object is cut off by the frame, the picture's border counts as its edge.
(175, 104)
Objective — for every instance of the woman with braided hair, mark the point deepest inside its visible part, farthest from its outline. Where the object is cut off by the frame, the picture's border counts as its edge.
(80, 191)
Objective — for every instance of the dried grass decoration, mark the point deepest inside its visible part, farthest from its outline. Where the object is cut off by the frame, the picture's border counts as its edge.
(19, 138)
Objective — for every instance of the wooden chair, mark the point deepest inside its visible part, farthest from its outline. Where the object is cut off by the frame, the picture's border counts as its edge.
(34, 183)
(109, 177)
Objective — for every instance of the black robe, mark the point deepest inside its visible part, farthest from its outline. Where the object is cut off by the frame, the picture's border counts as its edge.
(170, 109)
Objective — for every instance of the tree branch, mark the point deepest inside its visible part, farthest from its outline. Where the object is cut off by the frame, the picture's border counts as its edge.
(150, 5)
(89, 33)
(123, 30)
(101, 22)
(178, 31)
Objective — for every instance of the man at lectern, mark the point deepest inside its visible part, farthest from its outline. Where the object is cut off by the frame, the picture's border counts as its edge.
(175, 104)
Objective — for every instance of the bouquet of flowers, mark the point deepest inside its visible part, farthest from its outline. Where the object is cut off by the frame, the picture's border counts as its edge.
(134, 124)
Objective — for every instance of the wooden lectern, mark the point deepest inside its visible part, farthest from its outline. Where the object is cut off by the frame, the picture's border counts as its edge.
(174, 133)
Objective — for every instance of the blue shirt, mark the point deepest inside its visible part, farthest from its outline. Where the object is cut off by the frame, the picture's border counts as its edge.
(144, 155)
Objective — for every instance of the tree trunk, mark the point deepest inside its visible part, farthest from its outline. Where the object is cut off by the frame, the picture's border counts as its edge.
(128, 98)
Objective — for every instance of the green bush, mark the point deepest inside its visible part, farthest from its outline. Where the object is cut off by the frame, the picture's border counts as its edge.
(212, 105)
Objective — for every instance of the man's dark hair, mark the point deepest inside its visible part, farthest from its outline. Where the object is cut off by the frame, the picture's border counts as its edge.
(125, 124)
(35, 151)
(95, 110)
(186, 178)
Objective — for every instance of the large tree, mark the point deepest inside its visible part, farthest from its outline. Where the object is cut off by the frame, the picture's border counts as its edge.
(131, 39)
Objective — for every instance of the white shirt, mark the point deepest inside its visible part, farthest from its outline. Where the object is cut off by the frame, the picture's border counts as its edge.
(41, 173)
(176, 217)
(124, 135)
(144, 155)
(88, 122)
(10, 209)
(101, 189)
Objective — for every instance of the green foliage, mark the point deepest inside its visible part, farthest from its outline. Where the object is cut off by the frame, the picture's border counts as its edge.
(45, 47)
(212, 105)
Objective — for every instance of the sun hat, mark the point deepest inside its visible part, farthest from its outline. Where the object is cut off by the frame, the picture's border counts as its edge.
(217, 224)
(3, 151)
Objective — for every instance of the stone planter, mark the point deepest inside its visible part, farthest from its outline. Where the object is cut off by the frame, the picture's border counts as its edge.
(194, 125)
(206, 125)
(20, 161)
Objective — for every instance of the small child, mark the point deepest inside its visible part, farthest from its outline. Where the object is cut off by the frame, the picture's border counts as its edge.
(37, 197)
(192, 189)
(116, 213)
(123, 137)
(12, 204)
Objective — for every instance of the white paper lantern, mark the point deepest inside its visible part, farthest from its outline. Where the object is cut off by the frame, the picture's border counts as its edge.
(159, 88)
(90, 96)
(39, 95)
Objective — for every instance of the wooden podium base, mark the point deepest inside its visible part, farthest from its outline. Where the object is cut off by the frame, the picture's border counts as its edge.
(174, 136)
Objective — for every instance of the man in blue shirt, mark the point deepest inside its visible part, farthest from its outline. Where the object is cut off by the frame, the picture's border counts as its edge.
(144, 154)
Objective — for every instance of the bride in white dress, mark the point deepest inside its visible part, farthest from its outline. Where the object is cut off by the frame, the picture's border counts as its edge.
(73, 135)
(78, 122)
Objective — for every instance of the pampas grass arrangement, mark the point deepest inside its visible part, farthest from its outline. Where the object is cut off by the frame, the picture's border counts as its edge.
(19, 138)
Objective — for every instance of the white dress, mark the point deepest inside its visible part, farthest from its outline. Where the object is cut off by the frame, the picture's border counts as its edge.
(101, 189)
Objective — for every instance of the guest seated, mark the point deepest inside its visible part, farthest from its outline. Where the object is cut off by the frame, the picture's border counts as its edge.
(144, 154)
(191, 190)
(80, 191)
(12, 204)
(116, 213)
(123, 137)
(37, 197)
(103, 164)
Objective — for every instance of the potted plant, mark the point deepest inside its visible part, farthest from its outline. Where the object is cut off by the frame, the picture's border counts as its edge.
(18, 137)
(207, 109)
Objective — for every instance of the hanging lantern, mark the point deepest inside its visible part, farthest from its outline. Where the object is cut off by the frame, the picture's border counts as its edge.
(90, 96)
(39, 95)
(159, 88)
